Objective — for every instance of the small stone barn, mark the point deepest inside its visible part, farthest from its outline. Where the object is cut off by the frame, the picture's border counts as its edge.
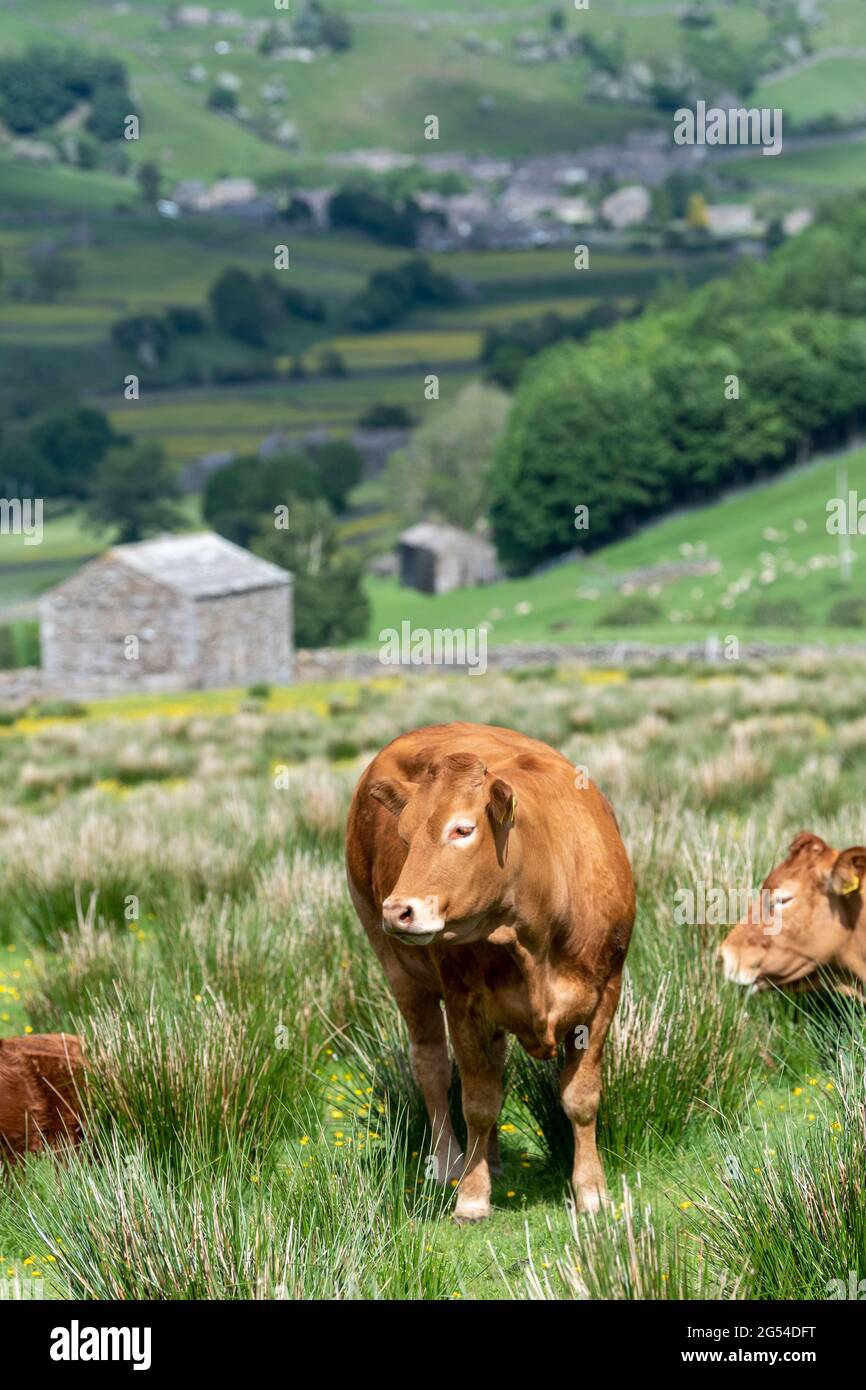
(436, 558)
(175, 613)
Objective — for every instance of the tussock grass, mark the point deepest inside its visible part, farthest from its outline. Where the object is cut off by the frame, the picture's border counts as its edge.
(171, 885)
(623, 1252)
(787, 1202)
(218, 1226)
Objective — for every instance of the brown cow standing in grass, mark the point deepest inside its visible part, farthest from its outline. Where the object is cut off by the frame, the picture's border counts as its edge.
(488, 876)
(39, 1101)
(813, 919)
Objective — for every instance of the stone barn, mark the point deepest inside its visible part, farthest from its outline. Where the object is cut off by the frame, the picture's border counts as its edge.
(436, 558)
(175, 613)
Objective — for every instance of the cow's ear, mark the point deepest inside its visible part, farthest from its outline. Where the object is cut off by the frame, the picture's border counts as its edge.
(392, 793)
(503, 802)
(848, 871)
(804, 843)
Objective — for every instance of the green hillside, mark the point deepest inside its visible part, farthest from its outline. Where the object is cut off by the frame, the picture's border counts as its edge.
(351, 99)
(776, 530)
(807, 173)
(457, 64)
(137, 263)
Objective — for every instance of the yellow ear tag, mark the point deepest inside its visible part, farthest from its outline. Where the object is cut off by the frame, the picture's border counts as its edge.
(511, 814)
(852, 886)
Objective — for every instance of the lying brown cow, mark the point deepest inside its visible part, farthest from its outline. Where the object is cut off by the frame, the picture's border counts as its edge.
(813, 917)
(475, 845)
(39, 1104)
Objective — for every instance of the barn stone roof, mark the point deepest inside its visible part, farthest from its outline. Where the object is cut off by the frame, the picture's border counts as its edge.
(441, 539)
(203, 565)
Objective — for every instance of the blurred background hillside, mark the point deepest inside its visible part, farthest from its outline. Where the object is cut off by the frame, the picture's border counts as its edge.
(338, 257)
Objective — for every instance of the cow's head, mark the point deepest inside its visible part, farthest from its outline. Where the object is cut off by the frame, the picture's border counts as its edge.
(811, 904)
(455, 820)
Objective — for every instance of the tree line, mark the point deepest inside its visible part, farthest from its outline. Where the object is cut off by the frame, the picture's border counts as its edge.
(708, 389)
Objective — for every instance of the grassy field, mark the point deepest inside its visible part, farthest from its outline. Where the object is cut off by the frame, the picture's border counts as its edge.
(831, 87)
(770, 545)
(136, 262)
(486, 101)
(809, 173)
(344, 101)
(173, 888)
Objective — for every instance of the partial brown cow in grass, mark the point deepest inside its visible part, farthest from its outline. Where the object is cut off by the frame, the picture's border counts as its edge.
(40, 1077)
(487, 876)
(812, 919)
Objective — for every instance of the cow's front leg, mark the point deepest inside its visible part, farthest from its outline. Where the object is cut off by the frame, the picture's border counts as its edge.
(431, 1066)
(481, 1058)
(580, 1089)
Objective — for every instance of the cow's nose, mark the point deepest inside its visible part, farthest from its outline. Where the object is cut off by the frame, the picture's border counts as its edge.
(398, 915)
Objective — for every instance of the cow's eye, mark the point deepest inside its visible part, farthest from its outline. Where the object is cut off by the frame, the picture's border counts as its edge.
(461, 832)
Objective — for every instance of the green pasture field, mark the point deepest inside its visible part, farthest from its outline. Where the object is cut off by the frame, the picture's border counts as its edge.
(173, 890)
(845, 24)
(209, 420)
(405, 348)
(353, 100)
(27, 188)
(344, 101)
(834, 86)
(26, 571)
(809, 173)
(140, 263)
(137, 263)
(770, 542)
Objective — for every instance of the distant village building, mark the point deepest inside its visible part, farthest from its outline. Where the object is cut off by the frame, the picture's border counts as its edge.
(175, 613)
(189, 17)
(195, 473)
(571, 178)
(460, 212)
(797, 220)
(436, 559)
(627, 207)
(732, 219)
(202, 17)
(292, 53)
(197, 197)
(377, 445)
(520, 206)
(575, 212)
(376, 161)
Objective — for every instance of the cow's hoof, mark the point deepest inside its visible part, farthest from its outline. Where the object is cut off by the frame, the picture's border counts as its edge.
(468, 1219)
(591, 1201)
(468, 1213)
